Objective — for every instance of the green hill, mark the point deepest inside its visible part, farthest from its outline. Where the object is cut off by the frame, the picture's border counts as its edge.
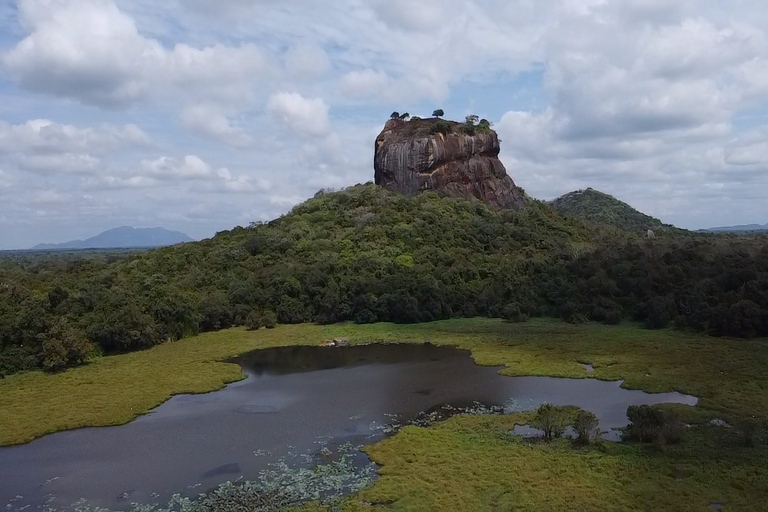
(365, 254)
(362, 254)
(595, 206)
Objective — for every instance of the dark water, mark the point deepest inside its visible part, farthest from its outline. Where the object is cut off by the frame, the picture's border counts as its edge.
(295, 400)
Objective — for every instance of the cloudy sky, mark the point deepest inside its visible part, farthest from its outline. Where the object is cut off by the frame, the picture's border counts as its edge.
(199, 115)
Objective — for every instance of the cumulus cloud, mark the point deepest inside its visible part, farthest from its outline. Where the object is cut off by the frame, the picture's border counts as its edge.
(425, 15)
(191, 170)
(307, 116)
(90, 51)
(209, 121)
(660, 103)
(366, 83)
(190, 167)
(66, 163)
(43, 135)
(750, 149)
(45, 147)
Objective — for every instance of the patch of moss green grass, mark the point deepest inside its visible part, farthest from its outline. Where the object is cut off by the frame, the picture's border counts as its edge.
(472, 462)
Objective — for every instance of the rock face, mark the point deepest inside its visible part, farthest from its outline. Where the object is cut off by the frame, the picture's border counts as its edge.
(412, 156)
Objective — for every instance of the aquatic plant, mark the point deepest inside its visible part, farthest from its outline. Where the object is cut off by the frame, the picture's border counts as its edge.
(283, 484)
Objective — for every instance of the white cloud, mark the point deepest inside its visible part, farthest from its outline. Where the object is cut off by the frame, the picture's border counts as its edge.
(366, 83)
(424, 15)
(64, 163)
(747, 151)
(191, 167)
(45, 136)
(90, 51)
(303, 115)
(209, 121)
(664, 104)
(102, 183)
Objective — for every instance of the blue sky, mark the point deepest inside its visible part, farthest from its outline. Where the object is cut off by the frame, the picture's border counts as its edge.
(199, 116)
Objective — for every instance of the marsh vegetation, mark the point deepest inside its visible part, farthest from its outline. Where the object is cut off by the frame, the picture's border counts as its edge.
(473, 462)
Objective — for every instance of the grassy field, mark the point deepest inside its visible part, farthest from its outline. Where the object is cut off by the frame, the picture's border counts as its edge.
(471, 463)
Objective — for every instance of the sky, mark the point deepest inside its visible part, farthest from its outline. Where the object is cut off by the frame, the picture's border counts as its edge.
(200, 116)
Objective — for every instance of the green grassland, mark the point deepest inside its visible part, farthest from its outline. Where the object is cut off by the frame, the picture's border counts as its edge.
(471, 463)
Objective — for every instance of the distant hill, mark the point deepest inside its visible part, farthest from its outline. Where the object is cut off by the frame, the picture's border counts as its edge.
(124, 236)
(599, 207)
(743, 227)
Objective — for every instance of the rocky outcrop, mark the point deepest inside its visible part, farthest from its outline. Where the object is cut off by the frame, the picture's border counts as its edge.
(431, 154)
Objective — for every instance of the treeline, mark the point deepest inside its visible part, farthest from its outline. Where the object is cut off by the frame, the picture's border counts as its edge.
(715, 284)
(367, 255)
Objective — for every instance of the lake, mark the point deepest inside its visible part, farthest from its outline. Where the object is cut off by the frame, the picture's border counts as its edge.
(296, 403)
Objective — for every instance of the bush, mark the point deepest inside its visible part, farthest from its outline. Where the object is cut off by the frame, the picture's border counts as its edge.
(63, 346)
(673, 428)
(586, 426)
(365, 316)
(650, 424)
(253, 321)
(269, 319)
(441, 126)
(552, 420)
(511, 313)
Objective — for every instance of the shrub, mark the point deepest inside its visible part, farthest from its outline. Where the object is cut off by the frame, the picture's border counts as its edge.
(269, 319)
(673, 428)
(365, 316)
(511, 313)
(552, 420)
(253, 321)
(441, 126)
(63, 346)
(586, 426)
(649, 424)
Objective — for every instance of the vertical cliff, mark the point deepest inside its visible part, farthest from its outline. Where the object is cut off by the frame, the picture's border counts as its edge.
(444, 156)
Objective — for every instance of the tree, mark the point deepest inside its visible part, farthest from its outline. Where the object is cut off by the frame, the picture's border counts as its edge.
(394, 115)
(441, 126)
(646, 423)
(438, 113)
(552, 420)
(63, 346)
(269, 319)
(511, 313)
(405, 116)
(253, 321)
(586, 426)
(471, 119)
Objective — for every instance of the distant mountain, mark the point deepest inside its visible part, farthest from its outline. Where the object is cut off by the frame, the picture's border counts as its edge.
(124, 236)
(743, 227)
(596, 206)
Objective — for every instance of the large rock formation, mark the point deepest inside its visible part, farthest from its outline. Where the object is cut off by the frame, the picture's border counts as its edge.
(433, 154)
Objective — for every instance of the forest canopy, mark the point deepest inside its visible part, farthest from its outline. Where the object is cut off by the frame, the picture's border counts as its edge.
(364, 254)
